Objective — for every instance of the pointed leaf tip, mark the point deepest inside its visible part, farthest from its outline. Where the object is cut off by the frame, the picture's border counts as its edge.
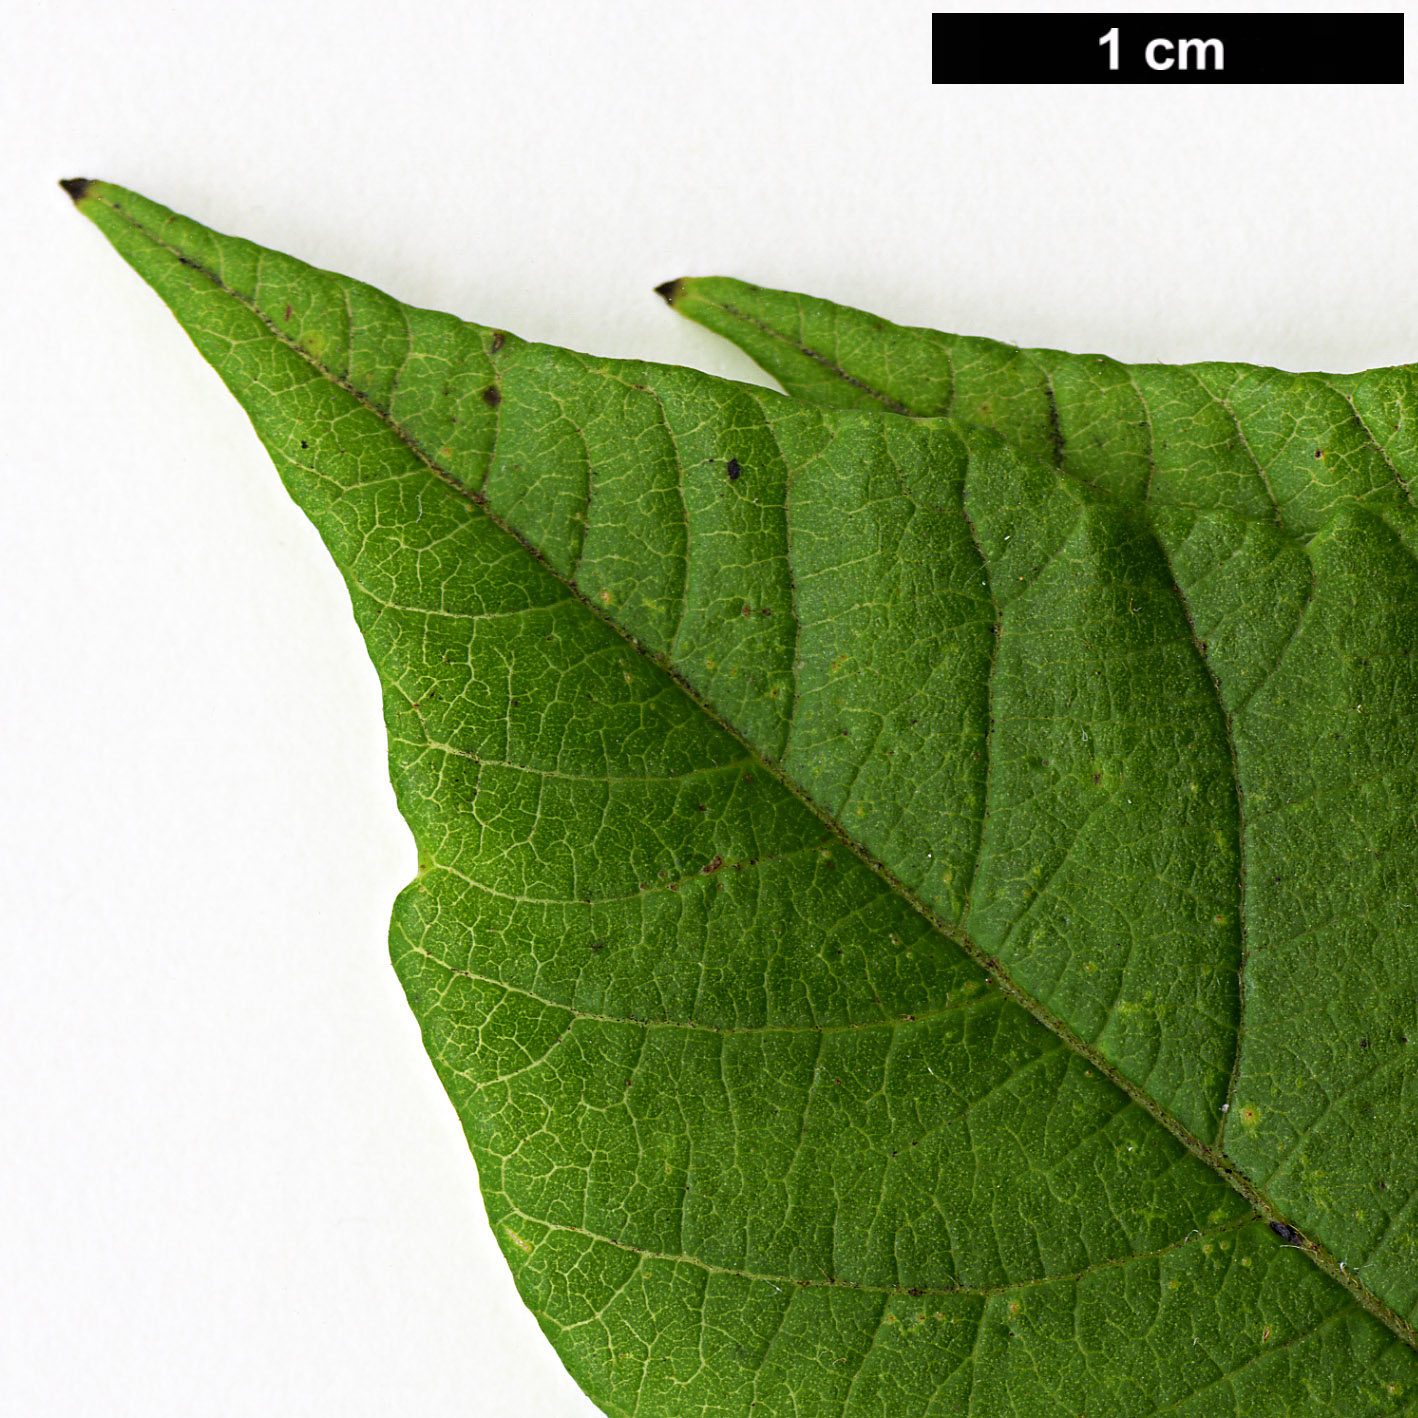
(670, 290)
(76, 187)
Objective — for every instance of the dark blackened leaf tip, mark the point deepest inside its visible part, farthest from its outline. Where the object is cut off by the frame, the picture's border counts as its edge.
(76, 187)
(670, 291)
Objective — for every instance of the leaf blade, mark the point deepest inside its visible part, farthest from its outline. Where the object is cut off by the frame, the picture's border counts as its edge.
(457, 614)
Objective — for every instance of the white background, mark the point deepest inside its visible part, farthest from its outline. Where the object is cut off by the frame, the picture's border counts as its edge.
(229, 1181)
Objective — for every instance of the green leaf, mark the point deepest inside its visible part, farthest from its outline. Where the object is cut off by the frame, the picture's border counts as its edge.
(830, 902)
(1282, 504)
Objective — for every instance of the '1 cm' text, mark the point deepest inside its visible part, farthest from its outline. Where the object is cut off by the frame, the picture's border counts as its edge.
(1164, 54)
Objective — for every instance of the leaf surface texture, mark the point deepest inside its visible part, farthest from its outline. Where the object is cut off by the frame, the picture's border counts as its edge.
(900, 907)
(1282, 505)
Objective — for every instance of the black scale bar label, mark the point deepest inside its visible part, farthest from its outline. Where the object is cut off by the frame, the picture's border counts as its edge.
(1167, 49)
